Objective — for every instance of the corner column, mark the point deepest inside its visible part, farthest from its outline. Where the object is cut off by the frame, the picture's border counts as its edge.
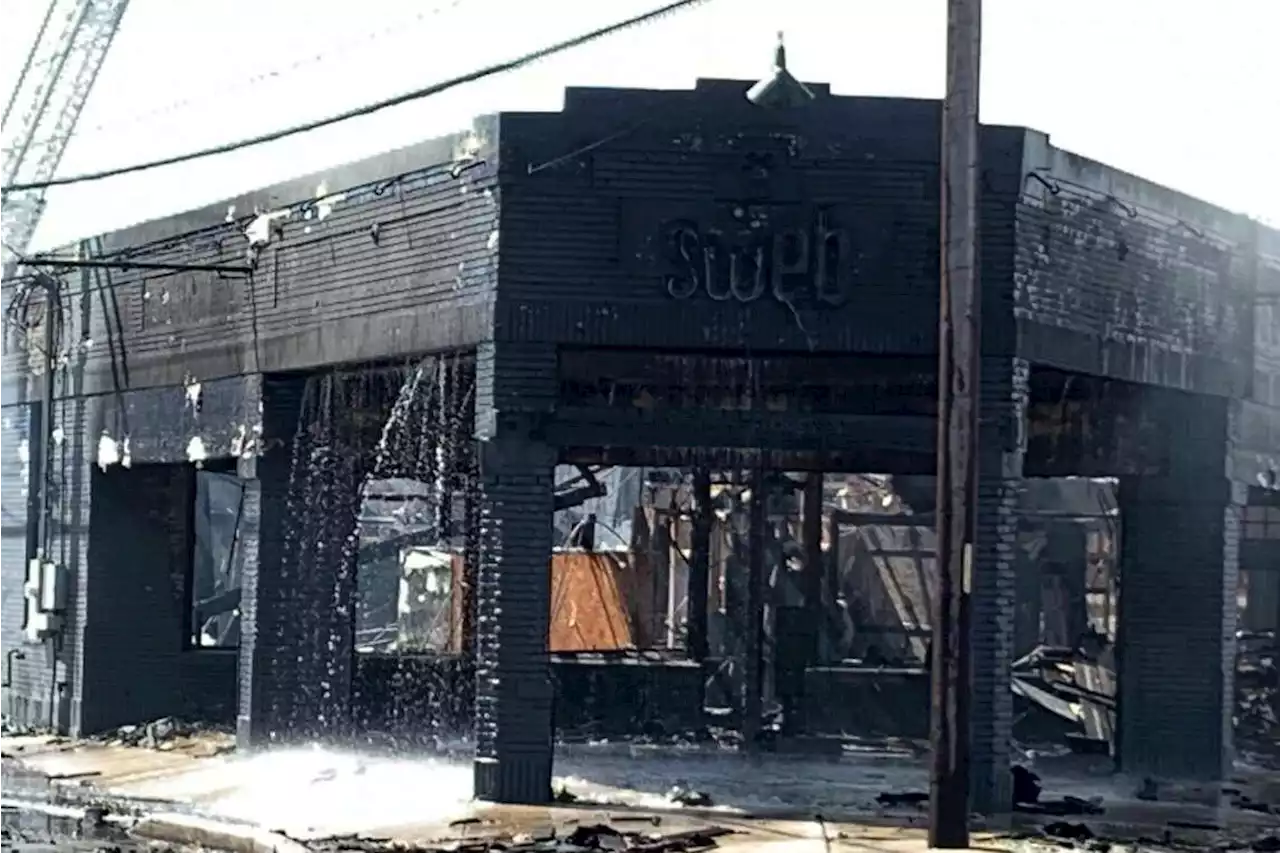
(515, 393)
(993, 590)
(1179, 570)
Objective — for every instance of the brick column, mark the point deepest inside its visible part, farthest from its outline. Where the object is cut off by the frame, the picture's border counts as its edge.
(299, 580)
(992, 601)
(515, 389)
(1178, 574)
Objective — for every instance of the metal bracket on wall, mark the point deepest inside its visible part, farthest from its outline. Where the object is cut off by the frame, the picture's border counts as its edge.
(9, 657)
(124, 265)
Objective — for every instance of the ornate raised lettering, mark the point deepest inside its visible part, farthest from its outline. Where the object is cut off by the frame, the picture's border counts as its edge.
(796, 266)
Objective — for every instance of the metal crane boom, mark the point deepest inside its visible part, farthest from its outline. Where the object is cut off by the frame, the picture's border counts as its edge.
(52, 90)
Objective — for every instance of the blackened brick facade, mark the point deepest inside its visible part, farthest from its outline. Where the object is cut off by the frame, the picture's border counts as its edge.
(716, 251)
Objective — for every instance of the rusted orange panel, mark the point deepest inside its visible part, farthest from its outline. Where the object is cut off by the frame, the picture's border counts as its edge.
(588, 609)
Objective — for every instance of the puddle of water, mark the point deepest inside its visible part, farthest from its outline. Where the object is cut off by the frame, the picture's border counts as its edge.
(318, 791)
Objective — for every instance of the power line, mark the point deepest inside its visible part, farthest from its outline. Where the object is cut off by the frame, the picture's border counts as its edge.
(359, 112)
(333, 50)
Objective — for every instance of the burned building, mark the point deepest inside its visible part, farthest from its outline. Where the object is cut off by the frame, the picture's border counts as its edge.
(676, 278)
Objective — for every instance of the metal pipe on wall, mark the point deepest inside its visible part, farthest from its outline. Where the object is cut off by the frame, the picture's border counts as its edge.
(753, 671)
(49, 360)
(814, 565)
(699, 565)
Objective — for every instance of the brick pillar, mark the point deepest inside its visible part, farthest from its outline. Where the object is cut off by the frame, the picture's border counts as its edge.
(1028, 598)
(298, 590)
(515, 390)
(992, 601)
(1179, 567)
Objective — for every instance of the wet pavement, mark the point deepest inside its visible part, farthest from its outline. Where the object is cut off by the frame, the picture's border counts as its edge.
(311, 796)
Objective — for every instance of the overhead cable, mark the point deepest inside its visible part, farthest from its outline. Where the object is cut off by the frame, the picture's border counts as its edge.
(271, 75)
(368, 109)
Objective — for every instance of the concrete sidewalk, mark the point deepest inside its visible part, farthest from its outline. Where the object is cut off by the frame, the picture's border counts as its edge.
(194, 791)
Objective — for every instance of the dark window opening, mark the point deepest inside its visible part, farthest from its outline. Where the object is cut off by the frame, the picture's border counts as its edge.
(217, 511)
(1262, 522)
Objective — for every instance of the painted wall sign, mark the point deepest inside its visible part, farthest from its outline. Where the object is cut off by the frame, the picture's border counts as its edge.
(751, 261)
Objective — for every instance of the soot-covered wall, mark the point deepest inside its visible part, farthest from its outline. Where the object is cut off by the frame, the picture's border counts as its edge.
(1119, 277)
(704, 221)
(382, 258)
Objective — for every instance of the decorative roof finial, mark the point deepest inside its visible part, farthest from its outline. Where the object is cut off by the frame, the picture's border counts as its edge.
(780, 88)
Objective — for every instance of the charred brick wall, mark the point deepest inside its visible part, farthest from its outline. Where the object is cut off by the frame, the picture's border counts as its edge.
(42, 683)
(1178, 610)
(263, 699)
(427, 698)
(298, 588)
(382, 258)
(515, 391)
(1119, 277)
(993, 597)
(135, 662)
(695, 219)
(124, 427)
(35, 675)
(142, 451)
(1265, 388)
(1257, 459)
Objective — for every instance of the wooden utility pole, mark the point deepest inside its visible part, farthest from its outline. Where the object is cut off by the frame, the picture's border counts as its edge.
(958, 347)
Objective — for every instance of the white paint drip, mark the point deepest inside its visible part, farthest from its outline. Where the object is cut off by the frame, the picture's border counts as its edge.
(24, 457)
(259, 230)
(469, 146)
(195, 450)
(327, 201)
(193, 387)
(238, 440)
(108, 451)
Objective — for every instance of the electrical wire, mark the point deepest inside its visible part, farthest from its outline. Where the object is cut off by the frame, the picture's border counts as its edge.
(369, 109)
(331, 51)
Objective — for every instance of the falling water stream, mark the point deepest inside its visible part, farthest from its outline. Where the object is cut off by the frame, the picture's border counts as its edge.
(397, 429)
(411, 425)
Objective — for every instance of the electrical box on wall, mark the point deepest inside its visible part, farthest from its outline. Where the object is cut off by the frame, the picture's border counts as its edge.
(45, 592)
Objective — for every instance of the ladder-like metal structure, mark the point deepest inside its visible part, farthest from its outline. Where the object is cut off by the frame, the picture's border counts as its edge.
(51, 91)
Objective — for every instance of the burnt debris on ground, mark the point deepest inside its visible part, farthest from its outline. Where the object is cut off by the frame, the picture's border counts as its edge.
(157, 733)
(480, 836)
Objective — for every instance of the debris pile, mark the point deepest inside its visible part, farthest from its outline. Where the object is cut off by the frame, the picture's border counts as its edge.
(474, 837)
(1077, 685)
(1026, 797)
(11, 728)
(1258, 697)
(157, 734)
(684, 795)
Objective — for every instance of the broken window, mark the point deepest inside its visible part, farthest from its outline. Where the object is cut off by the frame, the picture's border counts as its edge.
(215, 571)
(407, 572)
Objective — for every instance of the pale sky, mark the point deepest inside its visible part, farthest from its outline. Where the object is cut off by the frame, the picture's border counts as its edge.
(1172, 91)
